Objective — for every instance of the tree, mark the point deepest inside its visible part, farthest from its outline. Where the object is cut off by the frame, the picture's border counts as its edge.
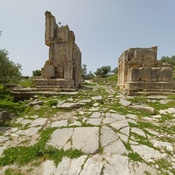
(115, 71)
(9, 71)
(36, 73)
(170, 60)
(83, 71)
(89, 76)
(103, 71)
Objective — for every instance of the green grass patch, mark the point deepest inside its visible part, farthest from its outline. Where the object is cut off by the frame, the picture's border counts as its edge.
(127, 146)
(139, 99)
(6, 102)
(26, 83)
(89, 84)
(22, 155)
(52, 102)
(147, 173)
(135, 157)
(11, 171)
(110, 79)
(166, 117)
(164, 164)
(142, 140)
(12, 107)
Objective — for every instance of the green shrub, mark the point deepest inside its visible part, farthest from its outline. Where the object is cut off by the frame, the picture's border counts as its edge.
(26, 83)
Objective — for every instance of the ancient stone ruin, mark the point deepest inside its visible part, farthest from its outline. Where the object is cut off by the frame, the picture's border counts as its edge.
(140, 71)
(63, 68)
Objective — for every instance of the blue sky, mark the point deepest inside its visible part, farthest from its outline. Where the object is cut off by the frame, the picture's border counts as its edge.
(103, 29)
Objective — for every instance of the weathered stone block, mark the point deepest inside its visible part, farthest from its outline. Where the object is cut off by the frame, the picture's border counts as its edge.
(4, 115)
(48, 71)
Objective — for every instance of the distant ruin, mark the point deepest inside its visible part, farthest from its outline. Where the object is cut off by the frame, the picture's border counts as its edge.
(63, 68)
(140, 71)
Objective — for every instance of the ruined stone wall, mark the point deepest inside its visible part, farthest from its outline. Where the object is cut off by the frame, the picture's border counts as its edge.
(64, 55)
(139, 70)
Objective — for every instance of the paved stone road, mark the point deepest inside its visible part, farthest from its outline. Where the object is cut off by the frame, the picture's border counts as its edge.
(102, 136)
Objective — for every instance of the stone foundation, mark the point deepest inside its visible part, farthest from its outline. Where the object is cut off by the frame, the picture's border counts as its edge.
(56, 83)
(133, 88)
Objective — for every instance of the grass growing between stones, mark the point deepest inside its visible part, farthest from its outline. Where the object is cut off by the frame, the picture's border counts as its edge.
(44, 111)
(135, 157)
(125, 110)
(163, 165)
(142, 140)
(22, 155)
(147, 173)
(11, 171)
(139, 99)
(127, 146)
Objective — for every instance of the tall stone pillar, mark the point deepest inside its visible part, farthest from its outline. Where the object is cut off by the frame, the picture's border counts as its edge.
(59, 68)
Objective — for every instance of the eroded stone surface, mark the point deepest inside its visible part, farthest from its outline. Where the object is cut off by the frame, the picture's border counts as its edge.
(60, 137)
(94, 121)
(124, 102)
(86, 139)
(48, 167)
(138, 131)
(119, 163)
(146, 152)
(108, 136)
(39, 122)
(160, 144)
(76, 165)
(120, 124)
(93, 165)
(31, 131)
(116, 147)
(59, 123)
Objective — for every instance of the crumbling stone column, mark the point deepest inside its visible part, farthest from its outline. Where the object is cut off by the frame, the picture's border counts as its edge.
(64, 62)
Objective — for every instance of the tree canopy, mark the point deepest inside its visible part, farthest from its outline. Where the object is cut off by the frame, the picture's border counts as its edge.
(36, 73)
(170, 60)
(83, 71)
(9, 71)
(103, 71)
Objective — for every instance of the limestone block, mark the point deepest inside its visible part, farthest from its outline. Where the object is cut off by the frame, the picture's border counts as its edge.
(135, 74)
(50, 26)
(167, 74)
(48, 71)
(144, 54)
(145, 73)
(156, 74)
(86, 139)
(63, 33)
